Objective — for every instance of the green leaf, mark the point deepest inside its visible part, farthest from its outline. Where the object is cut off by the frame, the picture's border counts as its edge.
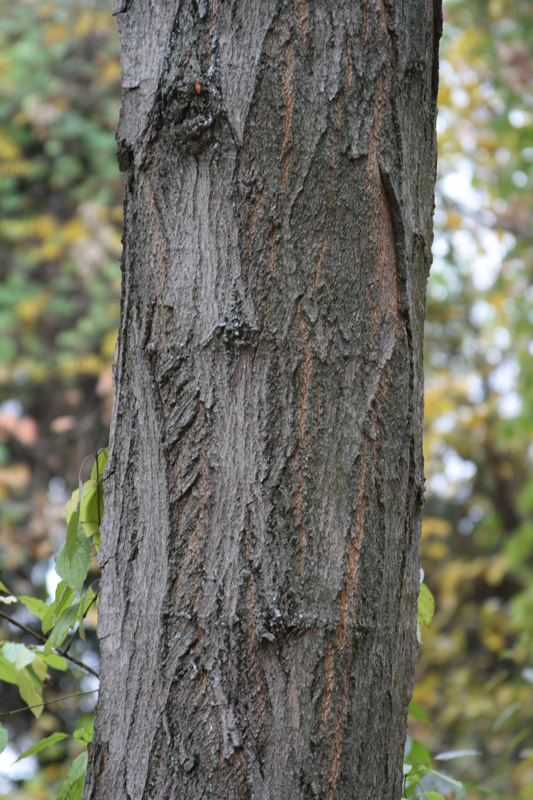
(476, 788)
(64, 597)
(36, 606)
(83, 735)
(86, 602)
(28, 691)
(417, 712)
(55, 662)
(25, 658)
(433, 796)
(458, 786)
(73, 569)
(90, 511)
(3, 738)
(18, 654)
(72, 505)
(419, 754)
(3, 588)
(72, 534)
(8, 673)
(35, 680)
(62, 626)
(48, 741)
(73, 785)
(73, 521)
(100, 464)
(426, 606)
(39, 667)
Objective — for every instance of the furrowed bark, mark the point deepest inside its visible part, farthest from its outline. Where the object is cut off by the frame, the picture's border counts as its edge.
(261, 539)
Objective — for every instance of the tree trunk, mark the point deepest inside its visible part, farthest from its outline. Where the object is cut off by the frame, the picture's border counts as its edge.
(261, 542)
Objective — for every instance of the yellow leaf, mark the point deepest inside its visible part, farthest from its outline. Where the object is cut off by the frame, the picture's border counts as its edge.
(43, 226)
(48, 252)
(108, 345)
(8, 149)
(110, 74)
(73, 230)
(436, 526)
(55, 33)
(29, 309)
(85, 23)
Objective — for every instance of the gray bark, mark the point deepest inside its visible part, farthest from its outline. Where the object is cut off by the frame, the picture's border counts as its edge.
(261, 541)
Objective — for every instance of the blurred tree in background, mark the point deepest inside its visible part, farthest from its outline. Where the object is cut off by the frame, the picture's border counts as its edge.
(60, 214)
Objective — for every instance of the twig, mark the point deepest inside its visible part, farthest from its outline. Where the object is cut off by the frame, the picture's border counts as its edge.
(23, 627)
(43, 640)
(47, 702)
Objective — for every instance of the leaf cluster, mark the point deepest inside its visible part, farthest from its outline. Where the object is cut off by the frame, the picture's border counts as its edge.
(26, 665)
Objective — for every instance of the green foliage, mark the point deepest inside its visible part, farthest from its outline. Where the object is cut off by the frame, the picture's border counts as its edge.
(60, 220)
(59, 189)
(426, 609)
(73, 786)
(473, 674)
(26, 666)
(48, 741)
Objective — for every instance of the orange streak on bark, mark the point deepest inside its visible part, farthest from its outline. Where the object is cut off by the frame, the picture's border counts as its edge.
(212, 26)
(337, 744)
(386, 307)
(328, 687)
(240, 769)
(288, 98)
(286, 168)
(365, 14)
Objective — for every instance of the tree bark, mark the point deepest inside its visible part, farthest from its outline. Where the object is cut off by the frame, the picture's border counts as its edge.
(260, 551)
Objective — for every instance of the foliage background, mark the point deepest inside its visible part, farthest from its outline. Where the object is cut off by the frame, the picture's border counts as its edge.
(60, 219)
(60, 215)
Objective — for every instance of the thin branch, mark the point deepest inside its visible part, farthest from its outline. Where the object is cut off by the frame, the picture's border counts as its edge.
(23, 627)
(47, 702)
(43, 640)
